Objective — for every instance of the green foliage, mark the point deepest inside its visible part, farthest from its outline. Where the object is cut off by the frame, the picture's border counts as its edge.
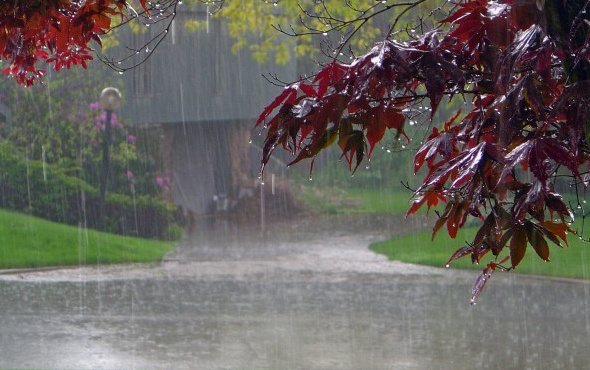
(54, 126)
(145, 216)
(56, 123)
(27, 241)
(47, 191)
(174, 232)
(42, 124)
(132, 169)
(254, 25)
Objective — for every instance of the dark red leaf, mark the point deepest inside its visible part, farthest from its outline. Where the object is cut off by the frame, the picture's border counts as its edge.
(484, 231)
(503, 241)
(459, 169)
(442, 219)
(453, 220)
(442, 144)
(559, 229)
(517, 244)
(555, 203)
(328, 76)
(537, 241)
(525, 41)
(461, 252)
(352, 144)
(431, 198)
(535, 153)
(288, 96)
(549, 235)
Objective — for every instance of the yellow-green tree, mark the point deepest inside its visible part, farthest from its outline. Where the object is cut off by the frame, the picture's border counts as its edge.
(328, 26)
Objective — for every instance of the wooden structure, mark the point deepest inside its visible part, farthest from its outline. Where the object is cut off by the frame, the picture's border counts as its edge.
(204, 99)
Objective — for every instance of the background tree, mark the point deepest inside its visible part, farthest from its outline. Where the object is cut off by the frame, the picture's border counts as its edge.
(43, 122)
(57, 123)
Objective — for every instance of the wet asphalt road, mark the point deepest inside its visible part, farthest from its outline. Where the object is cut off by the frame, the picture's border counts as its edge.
(306, 296)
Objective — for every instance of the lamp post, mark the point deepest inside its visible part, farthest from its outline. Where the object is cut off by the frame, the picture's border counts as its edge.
(110, 100)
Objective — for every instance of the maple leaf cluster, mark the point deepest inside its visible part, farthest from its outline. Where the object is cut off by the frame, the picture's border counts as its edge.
(57, 32)
(524, 64)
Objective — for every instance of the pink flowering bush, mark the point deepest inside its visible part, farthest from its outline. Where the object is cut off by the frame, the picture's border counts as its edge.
(132, 170)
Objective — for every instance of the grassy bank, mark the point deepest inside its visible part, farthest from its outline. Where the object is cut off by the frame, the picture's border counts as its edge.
(418, 248)
(27, 241)
(353, 200)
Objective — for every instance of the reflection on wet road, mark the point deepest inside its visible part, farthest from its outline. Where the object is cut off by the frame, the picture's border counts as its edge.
(315, 302)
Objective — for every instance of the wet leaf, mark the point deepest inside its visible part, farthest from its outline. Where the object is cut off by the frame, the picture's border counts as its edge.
(353, 144)
(558, 229)
(431, 199)
(537, 241)
(459, 253)
(556, 204)
(288, 96)
(536, 153)
(480, 283)
(328, 76)
(517, 244)
(442, 144)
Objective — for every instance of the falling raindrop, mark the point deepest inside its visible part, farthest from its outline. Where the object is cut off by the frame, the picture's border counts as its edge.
(44, 162)
(207, 18)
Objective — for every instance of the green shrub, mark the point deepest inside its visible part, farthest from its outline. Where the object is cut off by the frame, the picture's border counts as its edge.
(174, 232)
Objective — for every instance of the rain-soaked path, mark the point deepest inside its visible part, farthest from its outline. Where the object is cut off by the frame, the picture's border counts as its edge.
(308, 296)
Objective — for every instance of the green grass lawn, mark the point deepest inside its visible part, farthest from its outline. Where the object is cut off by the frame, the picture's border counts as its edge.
(418, 248)
(356, 200)
(27, 241)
